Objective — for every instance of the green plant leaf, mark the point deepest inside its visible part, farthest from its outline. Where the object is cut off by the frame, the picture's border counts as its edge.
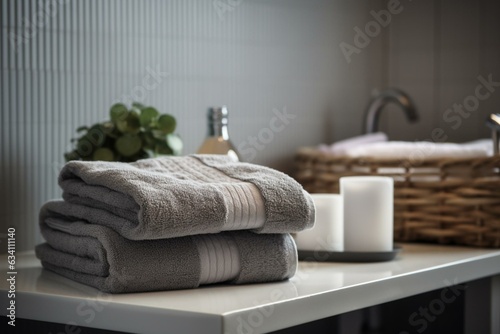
(130, 123)
(158, 134)
(166, 123)
(131, 134)
(142, 154)
(175, 143)
(110, 130)
(107, 127)
(71, 156)
(118, 112)
(148, 140)
(96, 136)
(128, 144)
(103, 154)
(148, 115)
(163, 148)
(84, 148)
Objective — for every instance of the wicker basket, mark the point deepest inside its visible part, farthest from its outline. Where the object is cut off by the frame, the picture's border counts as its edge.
(439, 200)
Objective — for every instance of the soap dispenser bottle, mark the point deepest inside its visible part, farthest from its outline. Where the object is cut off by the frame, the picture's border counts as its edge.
(217, 141)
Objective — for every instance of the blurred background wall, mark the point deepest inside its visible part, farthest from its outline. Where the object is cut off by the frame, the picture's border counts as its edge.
(65, 62)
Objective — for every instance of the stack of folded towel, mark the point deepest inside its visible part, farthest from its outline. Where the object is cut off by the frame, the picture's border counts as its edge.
(173, 223)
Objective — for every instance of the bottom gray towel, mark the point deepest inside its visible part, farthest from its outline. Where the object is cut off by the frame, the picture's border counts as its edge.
(98, 256)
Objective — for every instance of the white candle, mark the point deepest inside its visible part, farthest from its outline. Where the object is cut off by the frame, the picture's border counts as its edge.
(368, 213)
(327, 233)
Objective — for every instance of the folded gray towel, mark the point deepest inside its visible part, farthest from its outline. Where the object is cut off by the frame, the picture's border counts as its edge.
(98, 256)
(178, 196)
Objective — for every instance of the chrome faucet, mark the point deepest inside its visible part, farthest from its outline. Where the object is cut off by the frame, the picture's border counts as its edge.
(378, 102)
(493, 121)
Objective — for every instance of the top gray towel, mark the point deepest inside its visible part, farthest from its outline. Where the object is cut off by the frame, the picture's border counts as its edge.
(178, 196)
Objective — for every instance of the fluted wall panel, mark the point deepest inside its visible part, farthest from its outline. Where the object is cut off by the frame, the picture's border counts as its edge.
(65, 62)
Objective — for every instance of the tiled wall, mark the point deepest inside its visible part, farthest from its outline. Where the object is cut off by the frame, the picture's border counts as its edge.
(437, 52)
(64, 62)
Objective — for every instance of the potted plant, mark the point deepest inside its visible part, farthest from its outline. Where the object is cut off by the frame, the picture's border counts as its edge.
(131, 134)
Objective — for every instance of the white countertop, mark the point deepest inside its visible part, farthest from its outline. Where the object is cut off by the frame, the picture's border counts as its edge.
(317, 291)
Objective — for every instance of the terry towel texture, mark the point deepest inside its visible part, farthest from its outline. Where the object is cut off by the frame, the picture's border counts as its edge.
(180, 196)
(98, 256)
